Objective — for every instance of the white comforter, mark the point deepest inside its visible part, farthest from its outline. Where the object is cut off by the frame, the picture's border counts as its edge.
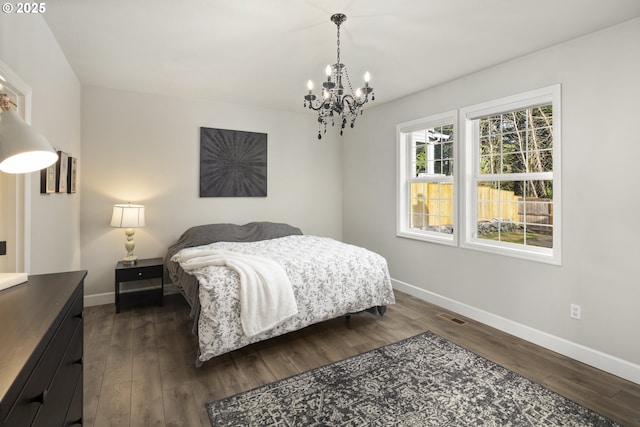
(329, 279)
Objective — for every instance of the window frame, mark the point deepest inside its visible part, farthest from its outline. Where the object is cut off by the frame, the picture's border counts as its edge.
(469, 168)
(405, 178)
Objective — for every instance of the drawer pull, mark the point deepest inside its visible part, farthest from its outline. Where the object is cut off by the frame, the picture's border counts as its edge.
(78, 361)
(139, 274)
(79, 315)
(41, 398)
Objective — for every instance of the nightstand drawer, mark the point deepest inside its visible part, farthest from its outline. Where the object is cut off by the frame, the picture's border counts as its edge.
(139, 273)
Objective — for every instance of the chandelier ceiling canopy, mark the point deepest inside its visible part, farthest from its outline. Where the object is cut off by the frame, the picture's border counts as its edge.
(338, 101)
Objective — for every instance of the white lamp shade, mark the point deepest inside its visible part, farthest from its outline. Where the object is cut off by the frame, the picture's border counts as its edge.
(128, 216)
(22, 149)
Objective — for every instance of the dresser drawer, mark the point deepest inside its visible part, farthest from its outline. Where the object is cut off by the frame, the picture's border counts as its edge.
(36, 389)
(54, 410)
(139, 273)
(74, 415)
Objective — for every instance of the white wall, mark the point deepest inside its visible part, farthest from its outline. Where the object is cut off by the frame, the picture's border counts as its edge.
(145, 149)
(30, 50)
(600, 77)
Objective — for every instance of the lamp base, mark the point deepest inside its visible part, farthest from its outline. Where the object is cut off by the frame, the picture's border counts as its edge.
(129, 245)
(130, 260)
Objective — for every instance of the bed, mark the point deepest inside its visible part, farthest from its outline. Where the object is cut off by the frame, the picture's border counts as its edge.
(327, 279)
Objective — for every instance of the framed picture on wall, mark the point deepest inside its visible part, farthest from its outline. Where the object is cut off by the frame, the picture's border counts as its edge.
(232, 163)
(48, 180)
(71, 176)
(62, 167)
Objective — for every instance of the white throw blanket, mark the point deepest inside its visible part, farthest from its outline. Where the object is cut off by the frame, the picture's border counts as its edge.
(266, 295)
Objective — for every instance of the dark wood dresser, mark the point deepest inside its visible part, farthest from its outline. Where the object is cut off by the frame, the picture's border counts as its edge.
(41, 332)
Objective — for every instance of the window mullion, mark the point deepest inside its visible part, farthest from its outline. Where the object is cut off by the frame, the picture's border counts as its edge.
(530, 176)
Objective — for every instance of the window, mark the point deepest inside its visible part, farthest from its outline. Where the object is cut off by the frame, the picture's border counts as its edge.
(512, 176)
(426, 197)
(508, 200)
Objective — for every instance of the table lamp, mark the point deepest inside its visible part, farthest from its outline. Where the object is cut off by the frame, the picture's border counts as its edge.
(128, 217)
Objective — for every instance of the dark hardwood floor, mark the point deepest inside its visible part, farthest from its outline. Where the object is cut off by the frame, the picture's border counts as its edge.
(139, 364)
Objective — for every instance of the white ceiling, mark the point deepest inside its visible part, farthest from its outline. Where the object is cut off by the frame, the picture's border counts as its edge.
(262, 52)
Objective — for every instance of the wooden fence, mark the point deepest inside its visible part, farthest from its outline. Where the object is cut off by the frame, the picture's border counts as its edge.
(489, 208)
(432, 206)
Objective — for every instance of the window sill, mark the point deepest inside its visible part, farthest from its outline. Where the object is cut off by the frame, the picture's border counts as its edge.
(448, 239)
(531, 253)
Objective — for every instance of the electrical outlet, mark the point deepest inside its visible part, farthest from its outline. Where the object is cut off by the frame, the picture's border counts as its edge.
(576, 311)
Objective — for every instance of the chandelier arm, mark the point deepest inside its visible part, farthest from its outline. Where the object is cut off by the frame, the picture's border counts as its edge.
(353, 103)
(319, 107)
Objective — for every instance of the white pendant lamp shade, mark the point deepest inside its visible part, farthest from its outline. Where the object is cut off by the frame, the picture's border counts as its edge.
(22, 149)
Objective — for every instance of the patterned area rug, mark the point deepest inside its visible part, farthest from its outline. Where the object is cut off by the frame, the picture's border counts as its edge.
(422, 381)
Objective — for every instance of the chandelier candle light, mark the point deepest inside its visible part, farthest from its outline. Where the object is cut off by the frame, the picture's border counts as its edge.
(337, 101)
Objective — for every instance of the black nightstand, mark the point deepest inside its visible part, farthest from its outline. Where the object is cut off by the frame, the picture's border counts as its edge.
(144, 269)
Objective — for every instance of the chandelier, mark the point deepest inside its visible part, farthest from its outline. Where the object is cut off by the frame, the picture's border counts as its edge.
(338, 102)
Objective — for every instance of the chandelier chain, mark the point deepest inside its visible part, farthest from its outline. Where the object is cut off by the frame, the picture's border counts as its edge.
(338, 45)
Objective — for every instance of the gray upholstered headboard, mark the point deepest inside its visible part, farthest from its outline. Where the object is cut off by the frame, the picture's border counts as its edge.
(251, 232)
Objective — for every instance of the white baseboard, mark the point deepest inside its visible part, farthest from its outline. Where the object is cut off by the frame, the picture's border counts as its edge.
(110, 297)
(595, 358)
(99, 299)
